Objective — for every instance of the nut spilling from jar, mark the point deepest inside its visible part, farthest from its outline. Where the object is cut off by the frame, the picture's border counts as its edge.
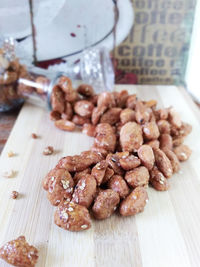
(135, 145)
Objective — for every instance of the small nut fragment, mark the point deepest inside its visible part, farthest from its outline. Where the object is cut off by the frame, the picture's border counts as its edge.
(105, 204)
(137, 177)
(71, 216)
(8, 174)
(48, 150)
(134, 202)
(182, 152)
(14, 194)
(34, 136)
(10, 154)
(19, 253)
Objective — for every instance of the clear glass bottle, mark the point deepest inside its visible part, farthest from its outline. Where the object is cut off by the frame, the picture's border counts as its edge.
(19, 82)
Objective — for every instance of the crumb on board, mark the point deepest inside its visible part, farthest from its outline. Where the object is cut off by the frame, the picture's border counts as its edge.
(48, 150)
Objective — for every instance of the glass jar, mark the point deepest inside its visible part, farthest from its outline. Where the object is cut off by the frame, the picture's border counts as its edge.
(19, 82)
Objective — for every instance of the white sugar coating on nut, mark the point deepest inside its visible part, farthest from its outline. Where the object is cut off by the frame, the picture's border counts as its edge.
(82, 186)
(134, 197)
(64, 214)
(183, 155)
(147, 200)
(65, 184)
(84, 226)
(70, 209)
(57, 201)
(52, 178)
(161, 182)
(8, 174)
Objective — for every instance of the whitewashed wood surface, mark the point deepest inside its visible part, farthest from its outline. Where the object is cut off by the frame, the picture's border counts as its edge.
(166, 234)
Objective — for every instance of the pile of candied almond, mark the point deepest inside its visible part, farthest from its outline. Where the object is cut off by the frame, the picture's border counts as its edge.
(135, 145)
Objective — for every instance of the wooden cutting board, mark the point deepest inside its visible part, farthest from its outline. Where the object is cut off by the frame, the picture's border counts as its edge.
(166, 234)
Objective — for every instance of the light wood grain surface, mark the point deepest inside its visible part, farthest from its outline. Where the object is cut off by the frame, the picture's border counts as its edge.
(166, 234)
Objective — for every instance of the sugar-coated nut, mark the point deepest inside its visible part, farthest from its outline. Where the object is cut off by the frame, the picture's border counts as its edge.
(55, 115)
(65, 84)
(151, 103)
(48, 150)
(163, 163)
(134, 202)
(131, 137)
(99, 150)
(83, 108)
(105, 204)
(164, 126)
(121, 98)
(111, 116)
(99, 170)
(162, 114)
(182, 152)
(141, 113)
(41, 82)
(72, 217)
(85, 90)
(79, 162)
(97, 113)
(57, 100)
(166, 141)
(153, 143)
(137, 177)
(108, 174)
(78, 120)
(81, 174)
(173, 159)
(106, 99)
(60, 186)
(65, 125)
(146, 155)
(177, 141)
(131, 101)
(118, 184)
(174, 118)
(129, 162)
(68, 112)
(150, 130)
(19, 253)
(89, 129)
(127, 115)
(85, 191)
(113, 163)
(158, 180)
(105, 137)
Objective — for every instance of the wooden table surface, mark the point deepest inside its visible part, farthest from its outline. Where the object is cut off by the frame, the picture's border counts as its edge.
(166, 234)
